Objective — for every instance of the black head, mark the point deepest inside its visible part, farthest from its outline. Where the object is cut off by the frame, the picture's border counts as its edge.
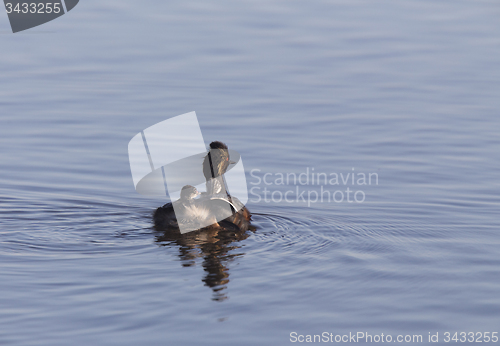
(218, 145)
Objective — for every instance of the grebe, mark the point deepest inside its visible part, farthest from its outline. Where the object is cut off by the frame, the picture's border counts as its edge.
(202, 211)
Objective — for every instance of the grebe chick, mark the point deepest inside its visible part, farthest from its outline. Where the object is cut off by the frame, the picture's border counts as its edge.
(165, 216)
(192, 214)
(188, 192)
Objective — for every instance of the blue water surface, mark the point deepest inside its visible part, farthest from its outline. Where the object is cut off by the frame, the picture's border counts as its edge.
(407, 91)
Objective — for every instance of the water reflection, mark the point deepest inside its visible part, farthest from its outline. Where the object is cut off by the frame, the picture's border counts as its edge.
(217, 248)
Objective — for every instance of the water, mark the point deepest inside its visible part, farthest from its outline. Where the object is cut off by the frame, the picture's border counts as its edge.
(407, 90)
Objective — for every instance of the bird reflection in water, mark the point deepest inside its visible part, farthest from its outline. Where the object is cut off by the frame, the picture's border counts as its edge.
(217, 248)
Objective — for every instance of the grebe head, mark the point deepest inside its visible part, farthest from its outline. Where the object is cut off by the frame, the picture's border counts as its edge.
(217, 160)
(189, 192)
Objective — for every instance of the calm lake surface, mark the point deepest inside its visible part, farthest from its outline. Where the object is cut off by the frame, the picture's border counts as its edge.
(408, 92)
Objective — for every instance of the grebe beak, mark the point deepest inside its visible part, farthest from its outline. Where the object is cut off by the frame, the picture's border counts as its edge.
(232, 162)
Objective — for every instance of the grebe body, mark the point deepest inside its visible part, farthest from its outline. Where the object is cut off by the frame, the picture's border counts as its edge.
(194, 213)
